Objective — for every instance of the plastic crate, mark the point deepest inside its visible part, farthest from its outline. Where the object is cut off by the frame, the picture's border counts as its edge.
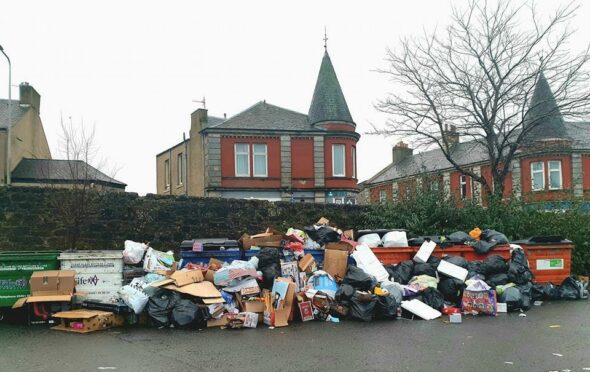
(394, 255)
(202, 258)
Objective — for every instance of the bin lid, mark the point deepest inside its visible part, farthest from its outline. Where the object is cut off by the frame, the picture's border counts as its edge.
(542, 239)
(91, 255)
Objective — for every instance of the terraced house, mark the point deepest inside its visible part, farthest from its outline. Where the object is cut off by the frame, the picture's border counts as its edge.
(552, 165)
(269, 152)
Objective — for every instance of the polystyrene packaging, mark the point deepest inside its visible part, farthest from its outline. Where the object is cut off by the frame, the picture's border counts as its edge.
(395, 239)
(371, 240)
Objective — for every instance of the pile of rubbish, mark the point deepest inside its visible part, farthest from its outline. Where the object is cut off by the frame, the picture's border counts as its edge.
(278, 282)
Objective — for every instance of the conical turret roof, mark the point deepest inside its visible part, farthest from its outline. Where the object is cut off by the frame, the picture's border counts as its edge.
(328, 103)
(544, 114)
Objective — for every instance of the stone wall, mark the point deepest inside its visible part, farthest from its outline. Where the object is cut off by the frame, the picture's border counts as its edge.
(31, 220)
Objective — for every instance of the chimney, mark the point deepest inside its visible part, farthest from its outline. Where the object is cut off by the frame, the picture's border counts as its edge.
(198, 120)
(451, 135)
(401, 151)
(29, 96)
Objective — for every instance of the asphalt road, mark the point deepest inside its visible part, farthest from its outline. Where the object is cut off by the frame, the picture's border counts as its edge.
(504, 343)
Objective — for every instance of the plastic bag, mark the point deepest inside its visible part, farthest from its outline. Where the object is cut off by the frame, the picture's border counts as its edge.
(479, 298)
(452, 289)
(395, 239)
(156, 260)
(269, 262)
(359, 279)
(422, 282)
(512, 297)
(403, 272)
(386, 307)
(459, 237)
(134, 296)
(186, 314)
(519, 274)
(433, 298)
(493, 265)
(394, 289)
(363, 311)
(497, 279)
(344, 293)
(457, 260)
(322, 235)
(488, 240)
(424, 269)
(160, 307)
(570, 289)
(545, 292)
(133, 252)
(371, 240)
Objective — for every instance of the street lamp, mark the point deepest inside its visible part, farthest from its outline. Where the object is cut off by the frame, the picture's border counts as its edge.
(8, 127)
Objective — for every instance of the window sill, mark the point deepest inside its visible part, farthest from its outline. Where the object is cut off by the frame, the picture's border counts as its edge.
(180, 186)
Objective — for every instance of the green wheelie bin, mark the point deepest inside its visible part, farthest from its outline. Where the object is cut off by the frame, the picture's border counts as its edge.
(15, 271)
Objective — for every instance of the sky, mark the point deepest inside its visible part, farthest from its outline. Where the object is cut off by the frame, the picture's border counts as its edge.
(133, 69)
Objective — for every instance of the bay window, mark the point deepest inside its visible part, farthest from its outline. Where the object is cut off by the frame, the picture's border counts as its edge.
(538, 176)
(338, 162)
(555, 180)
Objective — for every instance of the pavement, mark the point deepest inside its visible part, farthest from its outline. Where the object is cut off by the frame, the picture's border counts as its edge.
(552, 337)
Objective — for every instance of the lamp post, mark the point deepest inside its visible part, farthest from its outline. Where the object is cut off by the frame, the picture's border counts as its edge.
(8, 127)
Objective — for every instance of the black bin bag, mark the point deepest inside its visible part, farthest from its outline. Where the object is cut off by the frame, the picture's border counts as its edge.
(269, 262)
(359, 279)
(386, 307)
(363, 311)
(186, 314)
(159, 307)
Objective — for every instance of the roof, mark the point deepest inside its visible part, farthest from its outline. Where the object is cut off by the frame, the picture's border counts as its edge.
(18, 112)
(60, 170)
(264, 116)
(213, 121)
(328, 103)
(431, 161)
(545, 114)
(580, 133)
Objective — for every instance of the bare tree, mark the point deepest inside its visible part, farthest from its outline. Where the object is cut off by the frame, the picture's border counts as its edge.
(479, 76)
(74, 205)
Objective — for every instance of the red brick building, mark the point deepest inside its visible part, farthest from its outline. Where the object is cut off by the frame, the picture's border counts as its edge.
(269, 152)
(553, 164)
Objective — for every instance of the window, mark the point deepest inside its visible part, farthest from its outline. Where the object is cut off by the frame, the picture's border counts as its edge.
(463, 186)
(167, 173)
(242, 153)
(555, 175)
(338, 160)
(179, 170)
(260, 160)
(382, 196)
(354, 162)
(538, 175)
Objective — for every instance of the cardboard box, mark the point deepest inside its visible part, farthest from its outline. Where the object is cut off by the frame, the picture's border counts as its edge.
(306, 311)
(307, 264)
(291, 270)
(49, 286)
(221, 322)
(85, 321)
(281, 315)
(335, 262)
(342, 245)
(252, 306)
(270, 238)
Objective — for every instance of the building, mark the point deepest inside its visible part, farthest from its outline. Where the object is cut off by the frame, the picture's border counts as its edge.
(30, 159)
(269, 152)
(553, 164)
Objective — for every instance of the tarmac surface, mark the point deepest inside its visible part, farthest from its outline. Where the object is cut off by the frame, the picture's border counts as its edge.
(552, 337)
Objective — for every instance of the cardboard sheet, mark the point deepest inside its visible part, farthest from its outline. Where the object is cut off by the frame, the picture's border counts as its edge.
(335, 262)
(202, 289)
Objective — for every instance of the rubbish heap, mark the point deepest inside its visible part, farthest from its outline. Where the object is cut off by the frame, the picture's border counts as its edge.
(316, 273)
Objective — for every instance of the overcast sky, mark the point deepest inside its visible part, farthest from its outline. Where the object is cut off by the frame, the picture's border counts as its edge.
(133, 68)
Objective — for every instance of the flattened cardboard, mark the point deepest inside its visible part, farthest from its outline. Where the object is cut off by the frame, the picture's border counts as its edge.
(281, 316)
(323, 221)
(202, 289)
(211, 301)
(342, 245)
(221, 322)
(269, 238)
(185, 277)
(335, 262)
(209, 275)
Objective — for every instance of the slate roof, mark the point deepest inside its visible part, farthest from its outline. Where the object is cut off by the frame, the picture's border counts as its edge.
(48, 170)
(328, 102)
(17, 112)
(264, 116)
(545, 114)
(213, 121)
(579, 132)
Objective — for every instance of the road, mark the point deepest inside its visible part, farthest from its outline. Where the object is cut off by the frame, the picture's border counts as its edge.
(555, 336)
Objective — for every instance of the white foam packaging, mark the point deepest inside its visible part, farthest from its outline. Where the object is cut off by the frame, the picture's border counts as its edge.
(368, 262)
(425, 251)
(453, 270)
(420, 309)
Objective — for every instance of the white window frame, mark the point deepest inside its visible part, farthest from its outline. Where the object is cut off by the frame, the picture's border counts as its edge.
(179, 169)
(463, 182)
(254, 155)
(382, 196)
(549, 171)
(167, 174)
(334, 146)
(353, 149)
(242, 153)
(533, 172)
